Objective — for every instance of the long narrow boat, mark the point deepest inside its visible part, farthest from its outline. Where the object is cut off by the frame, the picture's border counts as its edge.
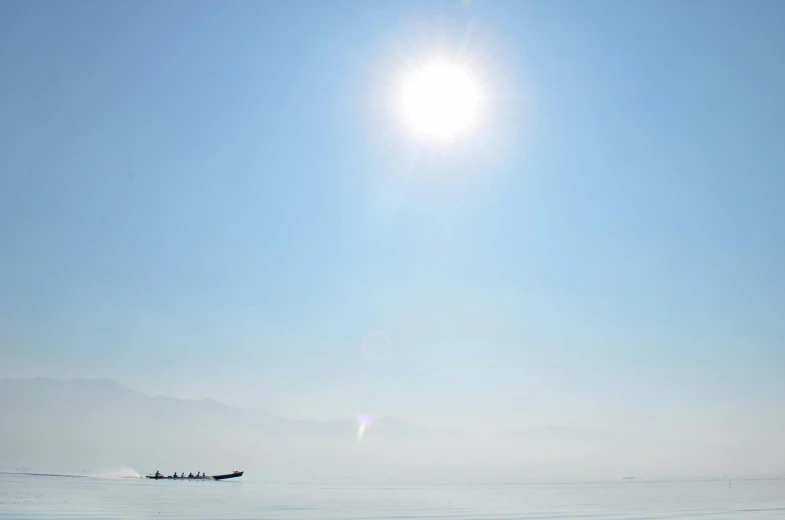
(234, 474)
(228, 475)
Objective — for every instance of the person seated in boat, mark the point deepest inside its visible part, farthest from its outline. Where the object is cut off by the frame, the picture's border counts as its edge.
(190, 475)
(174, 475)
(182, 475)
(157, 474)
(198, 475)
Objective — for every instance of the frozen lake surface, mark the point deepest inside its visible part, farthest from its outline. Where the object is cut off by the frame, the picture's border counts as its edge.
(37, 496)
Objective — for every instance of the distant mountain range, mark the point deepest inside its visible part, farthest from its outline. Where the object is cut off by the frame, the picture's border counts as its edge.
(89, 424)
(101, 401)
(99, 422)
(564, 434)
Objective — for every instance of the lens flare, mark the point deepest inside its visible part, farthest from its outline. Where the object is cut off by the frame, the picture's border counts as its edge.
(363, 422)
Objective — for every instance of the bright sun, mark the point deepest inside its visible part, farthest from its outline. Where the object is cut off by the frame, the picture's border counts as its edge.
(440, 100)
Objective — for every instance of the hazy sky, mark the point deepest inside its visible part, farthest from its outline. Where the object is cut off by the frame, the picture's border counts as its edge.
(218, 199)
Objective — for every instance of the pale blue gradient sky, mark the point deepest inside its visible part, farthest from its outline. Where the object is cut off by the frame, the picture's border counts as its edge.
(214, 199)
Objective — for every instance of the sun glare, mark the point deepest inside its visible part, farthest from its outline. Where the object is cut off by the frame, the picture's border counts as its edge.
(440, 100)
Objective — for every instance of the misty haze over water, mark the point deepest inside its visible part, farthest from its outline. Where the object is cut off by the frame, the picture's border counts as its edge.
(87, 426)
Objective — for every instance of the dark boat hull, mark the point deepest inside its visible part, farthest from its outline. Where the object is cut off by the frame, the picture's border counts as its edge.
(214, 477)
(228, 475)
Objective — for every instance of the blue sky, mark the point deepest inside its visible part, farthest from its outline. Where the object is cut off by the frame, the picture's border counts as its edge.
(211, 199)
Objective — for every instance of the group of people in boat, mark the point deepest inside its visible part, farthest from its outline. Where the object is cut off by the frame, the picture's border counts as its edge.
(182, 475)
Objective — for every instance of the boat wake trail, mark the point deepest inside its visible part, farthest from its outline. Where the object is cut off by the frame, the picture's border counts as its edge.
(42, 474)
(118, 472)
(121, 471)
